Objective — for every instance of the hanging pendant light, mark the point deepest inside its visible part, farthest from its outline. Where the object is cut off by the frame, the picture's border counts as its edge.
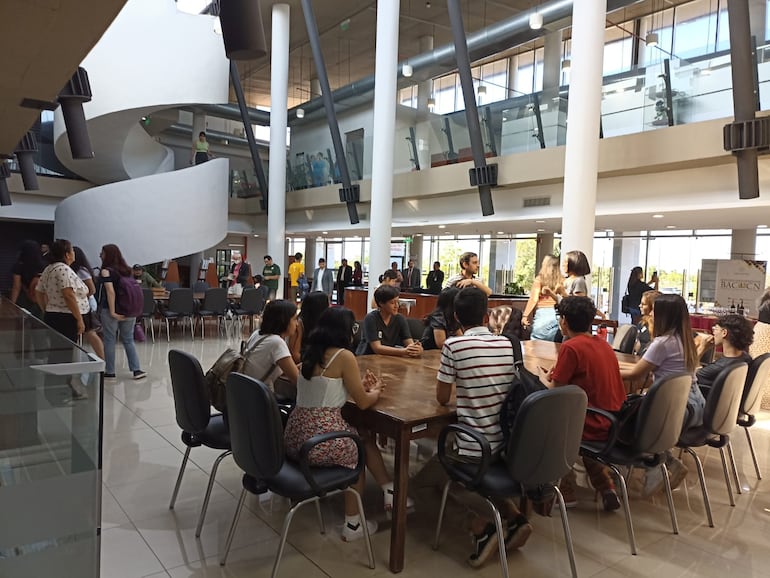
(536, 21)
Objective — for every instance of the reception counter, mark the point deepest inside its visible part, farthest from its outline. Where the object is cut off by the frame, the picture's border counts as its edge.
(356, 301)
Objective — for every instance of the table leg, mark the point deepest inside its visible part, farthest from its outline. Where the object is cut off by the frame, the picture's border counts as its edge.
(400, 484)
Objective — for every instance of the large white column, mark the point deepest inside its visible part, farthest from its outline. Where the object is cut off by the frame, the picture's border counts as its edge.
(381, 213)
(582, 154)
(279, 88)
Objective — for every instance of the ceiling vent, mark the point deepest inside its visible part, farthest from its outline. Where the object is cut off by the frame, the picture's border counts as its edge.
(537, 202)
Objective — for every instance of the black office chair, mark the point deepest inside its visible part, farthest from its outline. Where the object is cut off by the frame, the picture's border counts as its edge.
(193, 415)
(543, 445)
(625, 338)
(759, 371)
(214, 305)
(200, 287)
(148, 312)
(252, 303)
(181, 305)
(170, 285)
(656, 429)
(257, 437)
(416, 328)
(719, 419)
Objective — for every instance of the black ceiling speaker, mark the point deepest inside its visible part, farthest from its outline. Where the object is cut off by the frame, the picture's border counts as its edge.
(5, 194)
(242, 29)
(72, 96)
(25, 153)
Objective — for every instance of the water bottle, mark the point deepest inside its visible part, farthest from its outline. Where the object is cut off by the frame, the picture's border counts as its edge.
(602, 331)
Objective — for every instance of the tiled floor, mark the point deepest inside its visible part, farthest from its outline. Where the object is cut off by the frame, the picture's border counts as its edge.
(142, 537)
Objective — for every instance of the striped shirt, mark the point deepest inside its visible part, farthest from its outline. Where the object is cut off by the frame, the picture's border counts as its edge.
(480, 364)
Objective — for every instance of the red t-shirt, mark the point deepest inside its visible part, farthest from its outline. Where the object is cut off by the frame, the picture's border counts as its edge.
(590, 363)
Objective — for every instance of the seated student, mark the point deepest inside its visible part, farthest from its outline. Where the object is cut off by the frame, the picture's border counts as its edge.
(385, 331)
(644, 334)
(671, 351)
(734, 333)
(268, 354)
(441, 322)
(481, 390)
(589, 362)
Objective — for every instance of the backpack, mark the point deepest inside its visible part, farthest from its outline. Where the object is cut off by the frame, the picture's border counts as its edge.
(129, 299)
(303, 285)
(524, 382)
(230, 361)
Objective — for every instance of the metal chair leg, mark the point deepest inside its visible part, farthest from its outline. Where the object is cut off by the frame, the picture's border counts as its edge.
(320, 517)
(206, 498)
(500, 538)
(179, 478)
(702, 478)
(284, 532)
(626, 508)
(168, 334)
(727, 476)
(669, 497)
(365, 527)
(753, 455)
(567, 533)
(231, 533)
(734, 467)
(441, 514)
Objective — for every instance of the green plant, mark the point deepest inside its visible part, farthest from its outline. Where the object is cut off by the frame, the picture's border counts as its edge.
(514, 288)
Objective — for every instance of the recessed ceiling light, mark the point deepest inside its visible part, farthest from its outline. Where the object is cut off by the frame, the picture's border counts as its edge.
(541, 230)
(501, 233)
(658, 216)
(442, 226)
(539, 221)
(324, 232)
(670, 226)
(256, 235)
(608, 230)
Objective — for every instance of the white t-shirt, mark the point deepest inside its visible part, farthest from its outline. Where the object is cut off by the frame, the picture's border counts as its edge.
(264, 356)
(55, 278)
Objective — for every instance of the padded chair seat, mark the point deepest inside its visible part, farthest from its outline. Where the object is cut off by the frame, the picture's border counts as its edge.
(291, 483)
(207, 313)
(619, 454)
(245, 312)
(216, 435)
(696, 437)
(173, 314)
(496, 482)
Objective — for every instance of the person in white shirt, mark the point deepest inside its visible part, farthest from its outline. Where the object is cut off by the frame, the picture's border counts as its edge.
(267, 354)
(323, 278)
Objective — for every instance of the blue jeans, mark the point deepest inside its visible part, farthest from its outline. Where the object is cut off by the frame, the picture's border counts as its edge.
(545, 325)
(111, 327)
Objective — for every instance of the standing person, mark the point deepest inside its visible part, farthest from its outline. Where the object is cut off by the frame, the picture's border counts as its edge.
(313, 305)
(26, 275)
(344, 279)
(548, 283)
(590, 363)
(411, 277)
(271, 274)
(295, 270)
(636, 287)
(385, 331)
(481, 389)
(200, 150)
(469, 265)
(399, 276)
(323, 280)
(358, 274)
(64, 299)
(330, 376)
(145, 280)
(671, 351)
(114, 267)
(435, 279)
(441, 323)
(576, 268)
(82, 269)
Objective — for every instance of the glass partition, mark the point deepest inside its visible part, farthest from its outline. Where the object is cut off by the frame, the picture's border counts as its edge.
(50, 450)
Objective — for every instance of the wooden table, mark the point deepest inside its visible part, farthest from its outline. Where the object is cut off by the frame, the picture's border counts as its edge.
(408, 410)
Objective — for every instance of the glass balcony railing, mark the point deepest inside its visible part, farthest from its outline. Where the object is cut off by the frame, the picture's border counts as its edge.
(50, 451)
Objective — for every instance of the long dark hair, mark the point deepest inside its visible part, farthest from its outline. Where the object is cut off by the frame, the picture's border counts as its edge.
(313, 305)
(30, 260)
(81, 261)
(635, 277)
(671, 318)
(334, 329)
(445, 304)
(113, 259)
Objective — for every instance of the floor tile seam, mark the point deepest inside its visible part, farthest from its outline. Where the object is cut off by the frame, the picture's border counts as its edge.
(107, 489)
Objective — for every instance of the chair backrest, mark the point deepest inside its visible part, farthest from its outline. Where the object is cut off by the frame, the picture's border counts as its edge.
(416, 328)
(191, 396)
(721, 414)
(661, 414)
(215, 299)
(756, 378)
(200, 287)
(498, 317)
(625, 338)
(256, 429)
(170, 285)
(181, 300)
(149, 303)
(252, 300)
(545, 438)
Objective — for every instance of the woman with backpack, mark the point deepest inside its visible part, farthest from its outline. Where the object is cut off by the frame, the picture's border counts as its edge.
(114, 279)
(26, 274)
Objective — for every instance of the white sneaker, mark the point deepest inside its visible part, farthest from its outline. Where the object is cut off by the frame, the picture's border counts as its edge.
(351, 532)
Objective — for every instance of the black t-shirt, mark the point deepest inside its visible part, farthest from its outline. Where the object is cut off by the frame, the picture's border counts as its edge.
(635, 293)
(101, 293)
(708, 373)
(392, 335)
(435, 320)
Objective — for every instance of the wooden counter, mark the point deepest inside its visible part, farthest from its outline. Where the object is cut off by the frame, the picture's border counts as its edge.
(356, 301)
